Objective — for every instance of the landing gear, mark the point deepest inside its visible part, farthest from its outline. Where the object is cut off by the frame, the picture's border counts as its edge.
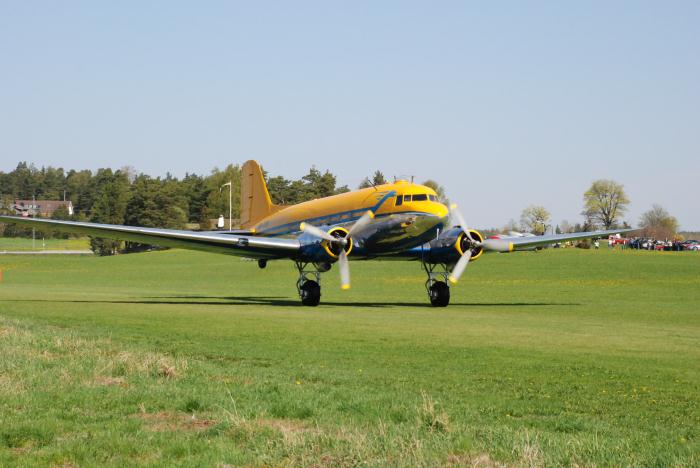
(308, 284)
(439, 294)
(310, 292)
(437, 286)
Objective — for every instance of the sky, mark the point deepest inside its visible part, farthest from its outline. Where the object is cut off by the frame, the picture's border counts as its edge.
(506, 104)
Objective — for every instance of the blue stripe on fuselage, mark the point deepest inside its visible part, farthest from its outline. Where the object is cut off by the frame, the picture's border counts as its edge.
(292, 228)
(334, 218)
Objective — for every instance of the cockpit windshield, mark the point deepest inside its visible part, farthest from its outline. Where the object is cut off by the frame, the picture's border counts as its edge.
(416, 197)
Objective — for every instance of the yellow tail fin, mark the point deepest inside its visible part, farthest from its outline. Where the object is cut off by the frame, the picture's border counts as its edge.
(256, 204)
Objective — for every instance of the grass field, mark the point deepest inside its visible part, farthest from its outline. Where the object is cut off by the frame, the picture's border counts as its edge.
(17, 244)
(556, 357)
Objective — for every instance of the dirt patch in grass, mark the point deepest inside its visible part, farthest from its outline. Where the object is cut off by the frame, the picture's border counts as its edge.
(483, 460)
(169, 421)
(5, 331)
(21, 450)
(293, 431)
(232, 379)
(10, 385)
(285, 426)
(111, 381)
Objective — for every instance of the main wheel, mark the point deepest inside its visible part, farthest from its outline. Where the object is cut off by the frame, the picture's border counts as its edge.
(310, 293)
(439, 294)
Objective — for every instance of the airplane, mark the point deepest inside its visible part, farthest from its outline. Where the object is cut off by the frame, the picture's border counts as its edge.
(394, 221)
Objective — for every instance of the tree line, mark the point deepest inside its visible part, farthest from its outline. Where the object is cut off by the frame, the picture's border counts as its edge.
(124, 196)
(604, 205)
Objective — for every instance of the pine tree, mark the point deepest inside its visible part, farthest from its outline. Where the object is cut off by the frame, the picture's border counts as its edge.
(109, 207)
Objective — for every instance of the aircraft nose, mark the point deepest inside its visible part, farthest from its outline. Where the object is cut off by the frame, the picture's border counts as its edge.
(442, 211)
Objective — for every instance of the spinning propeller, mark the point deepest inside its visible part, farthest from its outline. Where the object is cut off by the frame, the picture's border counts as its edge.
(463, 261)
(496, 245)
(343, 264)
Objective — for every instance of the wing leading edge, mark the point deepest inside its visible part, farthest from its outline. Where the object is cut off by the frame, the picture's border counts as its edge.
(520, 243)
(216, 242)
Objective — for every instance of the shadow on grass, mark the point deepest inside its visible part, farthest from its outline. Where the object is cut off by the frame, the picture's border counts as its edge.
(282, 302)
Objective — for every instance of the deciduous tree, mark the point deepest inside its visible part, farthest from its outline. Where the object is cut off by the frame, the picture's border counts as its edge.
(604, 203)
(439, 190)
(658, 223)
(534, 219)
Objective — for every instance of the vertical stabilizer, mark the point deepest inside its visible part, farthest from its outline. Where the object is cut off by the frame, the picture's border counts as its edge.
(256, 204)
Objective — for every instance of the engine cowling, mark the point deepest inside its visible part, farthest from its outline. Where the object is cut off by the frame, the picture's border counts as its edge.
(317, 251)
(463, 244)
(332, 248)
(451, 245)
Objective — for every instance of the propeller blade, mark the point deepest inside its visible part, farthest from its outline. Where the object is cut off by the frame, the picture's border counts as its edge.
(460, 267)
(460, 219)
(314, 231)
(343, 264)
(344, 269)
(361, 223)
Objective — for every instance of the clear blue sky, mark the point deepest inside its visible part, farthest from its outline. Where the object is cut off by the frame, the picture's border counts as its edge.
(505, 103)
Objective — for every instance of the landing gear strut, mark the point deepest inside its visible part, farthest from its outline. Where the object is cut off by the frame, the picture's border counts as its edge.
(308, 284)
(437, 286)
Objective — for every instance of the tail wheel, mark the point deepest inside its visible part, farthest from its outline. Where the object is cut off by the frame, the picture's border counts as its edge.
(439, 294)
(310, 293)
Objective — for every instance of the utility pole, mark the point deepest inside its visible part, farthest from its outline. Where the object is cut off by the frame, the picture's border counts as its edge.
(33, 216)
(230, 202)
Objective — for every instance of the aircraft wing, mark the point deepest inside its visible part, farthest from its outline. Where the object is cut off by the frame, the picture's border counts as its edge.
(522, 243)
(225, 242)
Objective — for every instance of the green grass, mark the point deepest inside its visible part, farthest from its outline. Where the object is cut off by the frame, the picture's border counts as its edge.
(555, 357)
(22, 244)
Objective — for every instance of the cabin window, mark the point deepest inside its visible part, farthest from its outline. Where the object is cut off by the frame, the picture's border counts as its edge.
(420, 197)
(406, 198)
(399, 200)
(433, 198)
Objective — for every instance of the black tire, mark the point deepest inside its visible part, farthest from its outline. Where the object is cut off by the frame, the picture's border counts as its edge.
(439, 294)
(310, 293)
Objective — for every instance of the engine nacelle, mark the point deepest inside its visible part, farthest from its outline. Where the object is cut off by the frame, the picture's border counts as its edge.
(317, 251)
(332, 248)
(463, 244)
(452, 244)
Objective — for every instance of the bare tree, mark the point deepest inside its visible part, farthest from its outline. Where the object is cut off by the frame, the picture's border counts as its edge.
(130, 172)
(604, 203)
(534, 219)
(658, 223)
(510, 226)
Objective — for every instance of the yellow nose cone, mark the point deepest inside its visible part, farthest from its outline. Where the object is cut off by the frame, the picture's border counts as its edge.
(441, 210)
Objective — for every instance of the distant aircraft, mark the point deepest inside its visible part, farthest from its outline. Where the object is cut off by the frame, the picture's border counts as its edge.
(397, 221)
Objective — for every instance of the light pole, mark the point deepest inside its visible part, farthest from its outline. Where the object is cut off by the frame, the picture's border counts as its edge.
(33, 216)
(230, 202)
